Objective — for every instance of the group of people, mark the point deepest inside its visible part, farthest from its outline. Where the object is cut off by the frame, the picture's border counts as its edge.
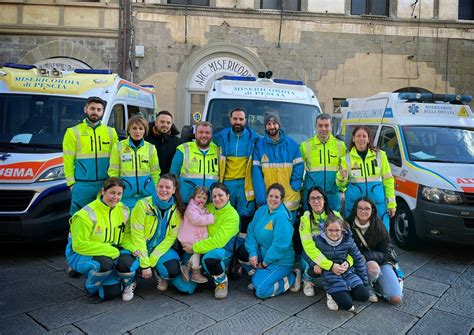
(150, 205)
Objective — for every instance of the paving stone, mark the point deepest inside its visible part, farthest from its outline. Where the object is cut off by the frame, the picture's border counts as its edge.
(436, 273)
(320, 314)
(342, 331)
(451, 262)
(415, 303)
(73, 311)
(465, 280)
(458, 301)
(131, 316)
(254, 320)
(295, 325)
(66, 330)
(181, 322)
(204, 302)
(424, 285)
(440, 322)
(381, 317)
(292, 303)
(412, 261)
(44, 291)
(20, 324)
(24, 272)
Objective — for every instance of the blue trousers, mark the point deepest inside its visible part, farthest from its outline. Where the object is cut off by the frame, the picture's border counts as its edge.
(221, 254)
(97, 278)
(272, 281)
(83, 193)
(386, 283)
(161, 268)
(238, 199)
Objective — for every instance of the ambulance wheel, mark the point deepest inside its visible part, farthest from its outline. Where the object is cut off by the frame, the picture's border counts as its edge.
(404, 227)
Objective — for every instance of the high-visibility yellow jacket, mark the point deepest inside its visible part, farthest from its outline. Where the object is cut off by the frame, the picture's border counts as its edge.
(135, 166)
(195, 168)
(98, 230)
(321, 162)
(86, 152)
(151, 234)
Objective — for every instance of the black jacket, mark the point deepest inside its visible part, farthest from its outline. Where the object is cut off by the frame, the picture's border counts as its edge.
(381, 251)
(165, 146)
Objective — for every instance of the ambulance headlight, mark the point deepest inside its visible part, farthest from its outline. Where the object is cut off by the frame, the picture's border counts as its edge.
(55, 173)
(440, 196)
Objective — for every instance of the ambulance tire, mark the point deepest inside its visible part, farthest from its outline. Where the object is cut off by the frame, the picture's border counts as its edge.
(404, 227)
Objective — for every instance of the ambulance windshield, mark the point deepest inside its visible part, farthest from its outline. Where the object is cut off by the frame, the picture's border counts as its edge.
(440, 144)
(297, 120)
(37, 121)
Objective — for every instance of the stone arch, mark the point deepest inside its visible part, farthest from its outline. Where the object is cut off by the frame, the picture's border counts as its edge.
(208, 51)
(63, 48)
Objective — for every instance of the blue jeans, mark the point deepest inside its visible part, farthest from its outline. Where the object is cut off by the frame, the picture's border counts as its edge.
(386, 283)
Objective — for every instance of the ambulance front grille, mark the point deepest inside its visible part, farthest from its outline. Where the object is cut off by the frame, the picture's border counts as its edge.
(15, 201)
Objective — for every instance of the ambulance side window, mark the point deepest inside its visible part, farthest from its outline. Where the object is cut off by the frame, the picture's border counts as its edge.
(388, 142)
(117, 120)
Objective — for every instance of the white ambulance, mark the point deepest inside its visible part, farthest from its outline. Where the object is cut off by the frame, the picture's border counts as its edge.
(36, 108)
(296, 103)
(429, 141)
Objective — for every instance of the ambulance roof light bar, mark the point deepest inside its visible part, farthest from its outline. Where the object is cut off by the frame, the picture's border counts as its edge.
(431, 97)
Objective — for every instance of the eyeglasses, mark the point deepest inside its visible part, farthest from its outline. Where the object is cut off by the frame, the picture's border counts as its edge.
(334, 230)
(316, 198)
(364, 209)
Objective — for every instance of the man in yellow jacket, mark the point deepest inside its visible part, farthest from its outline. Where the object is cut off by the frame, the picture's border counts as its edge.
(322, 157)
(86, 152)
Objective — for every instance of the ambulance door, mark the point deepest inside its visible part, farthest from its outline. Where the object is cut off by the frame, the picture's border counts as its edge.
(117, 120)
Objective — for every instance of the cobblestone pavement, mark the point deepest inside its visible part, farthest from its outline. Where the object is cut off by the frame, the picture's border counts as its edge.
(36, 296)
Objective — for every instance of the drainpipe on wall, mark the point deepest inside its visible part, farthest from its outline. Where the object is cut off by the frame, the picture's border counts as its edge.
(124, 42)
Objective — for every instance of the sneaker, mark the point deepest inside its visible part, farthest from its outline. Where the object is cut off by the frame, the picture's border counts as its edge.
(332, 305)
(221, 291)
(128, 294)
(297, 285)
(197, 276)
(161, 284)
(308, 288)
(185, 269)
(372, 295)
(352, 309)
(250, 287)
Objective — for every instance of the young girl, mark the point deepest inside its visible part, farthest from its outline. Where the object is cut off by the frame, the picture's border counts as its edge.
(193, 229)
(336, 243)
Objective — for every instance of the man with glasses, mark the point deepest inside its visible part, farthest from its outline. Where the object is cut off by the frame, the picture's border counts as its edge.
(321, 156)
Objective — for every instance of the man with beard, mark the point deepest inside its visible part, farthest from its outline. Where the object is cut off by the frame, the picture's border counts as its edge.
(163, 135)
(277, 159)
(237, 143)
(86, 152)
(196, 163)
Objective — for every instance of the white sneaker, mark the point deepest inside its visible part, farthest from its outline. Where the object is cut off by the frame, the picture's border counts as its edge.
(308, 288)
(297, 285)
(221, 291)
(161, 284)
(352, 309)
(128, 293)
(372, 295)
(251, 287)
(332, 305)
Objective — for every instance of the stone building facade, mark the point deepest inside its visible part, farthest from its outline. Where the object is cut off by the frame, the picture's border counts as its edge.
(339, 48)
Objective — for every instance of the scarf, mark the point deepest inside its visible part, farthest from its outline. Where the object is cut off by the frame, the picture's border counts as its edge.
(331, 242)
(165, 205)
(363, 227)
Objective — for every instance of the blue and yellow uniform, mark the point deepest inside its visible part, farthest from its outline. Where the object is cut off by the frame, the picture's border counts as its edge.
(86, 151)
(195, 167)
(278, 162)
(235, 168)
(95, 247)
(137, 167)
(154, 229)
(370, 177)
(269, 237)
(322, 161)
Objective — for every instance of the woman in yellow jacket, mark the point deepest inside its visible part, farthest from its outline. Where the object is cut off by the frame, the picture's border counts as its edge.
(96, 242)
(154, 226)
(365, 172)
(135, 161)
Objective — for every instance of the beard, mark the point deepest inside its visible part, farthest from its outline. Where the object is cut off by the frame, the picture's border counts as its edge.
(93, 118)
(272, 132)
(203, 144)
(237, 128)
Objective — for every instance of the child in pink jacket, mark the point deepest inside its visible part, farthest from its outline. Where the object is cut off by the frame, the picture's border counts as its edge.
(194, 229)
